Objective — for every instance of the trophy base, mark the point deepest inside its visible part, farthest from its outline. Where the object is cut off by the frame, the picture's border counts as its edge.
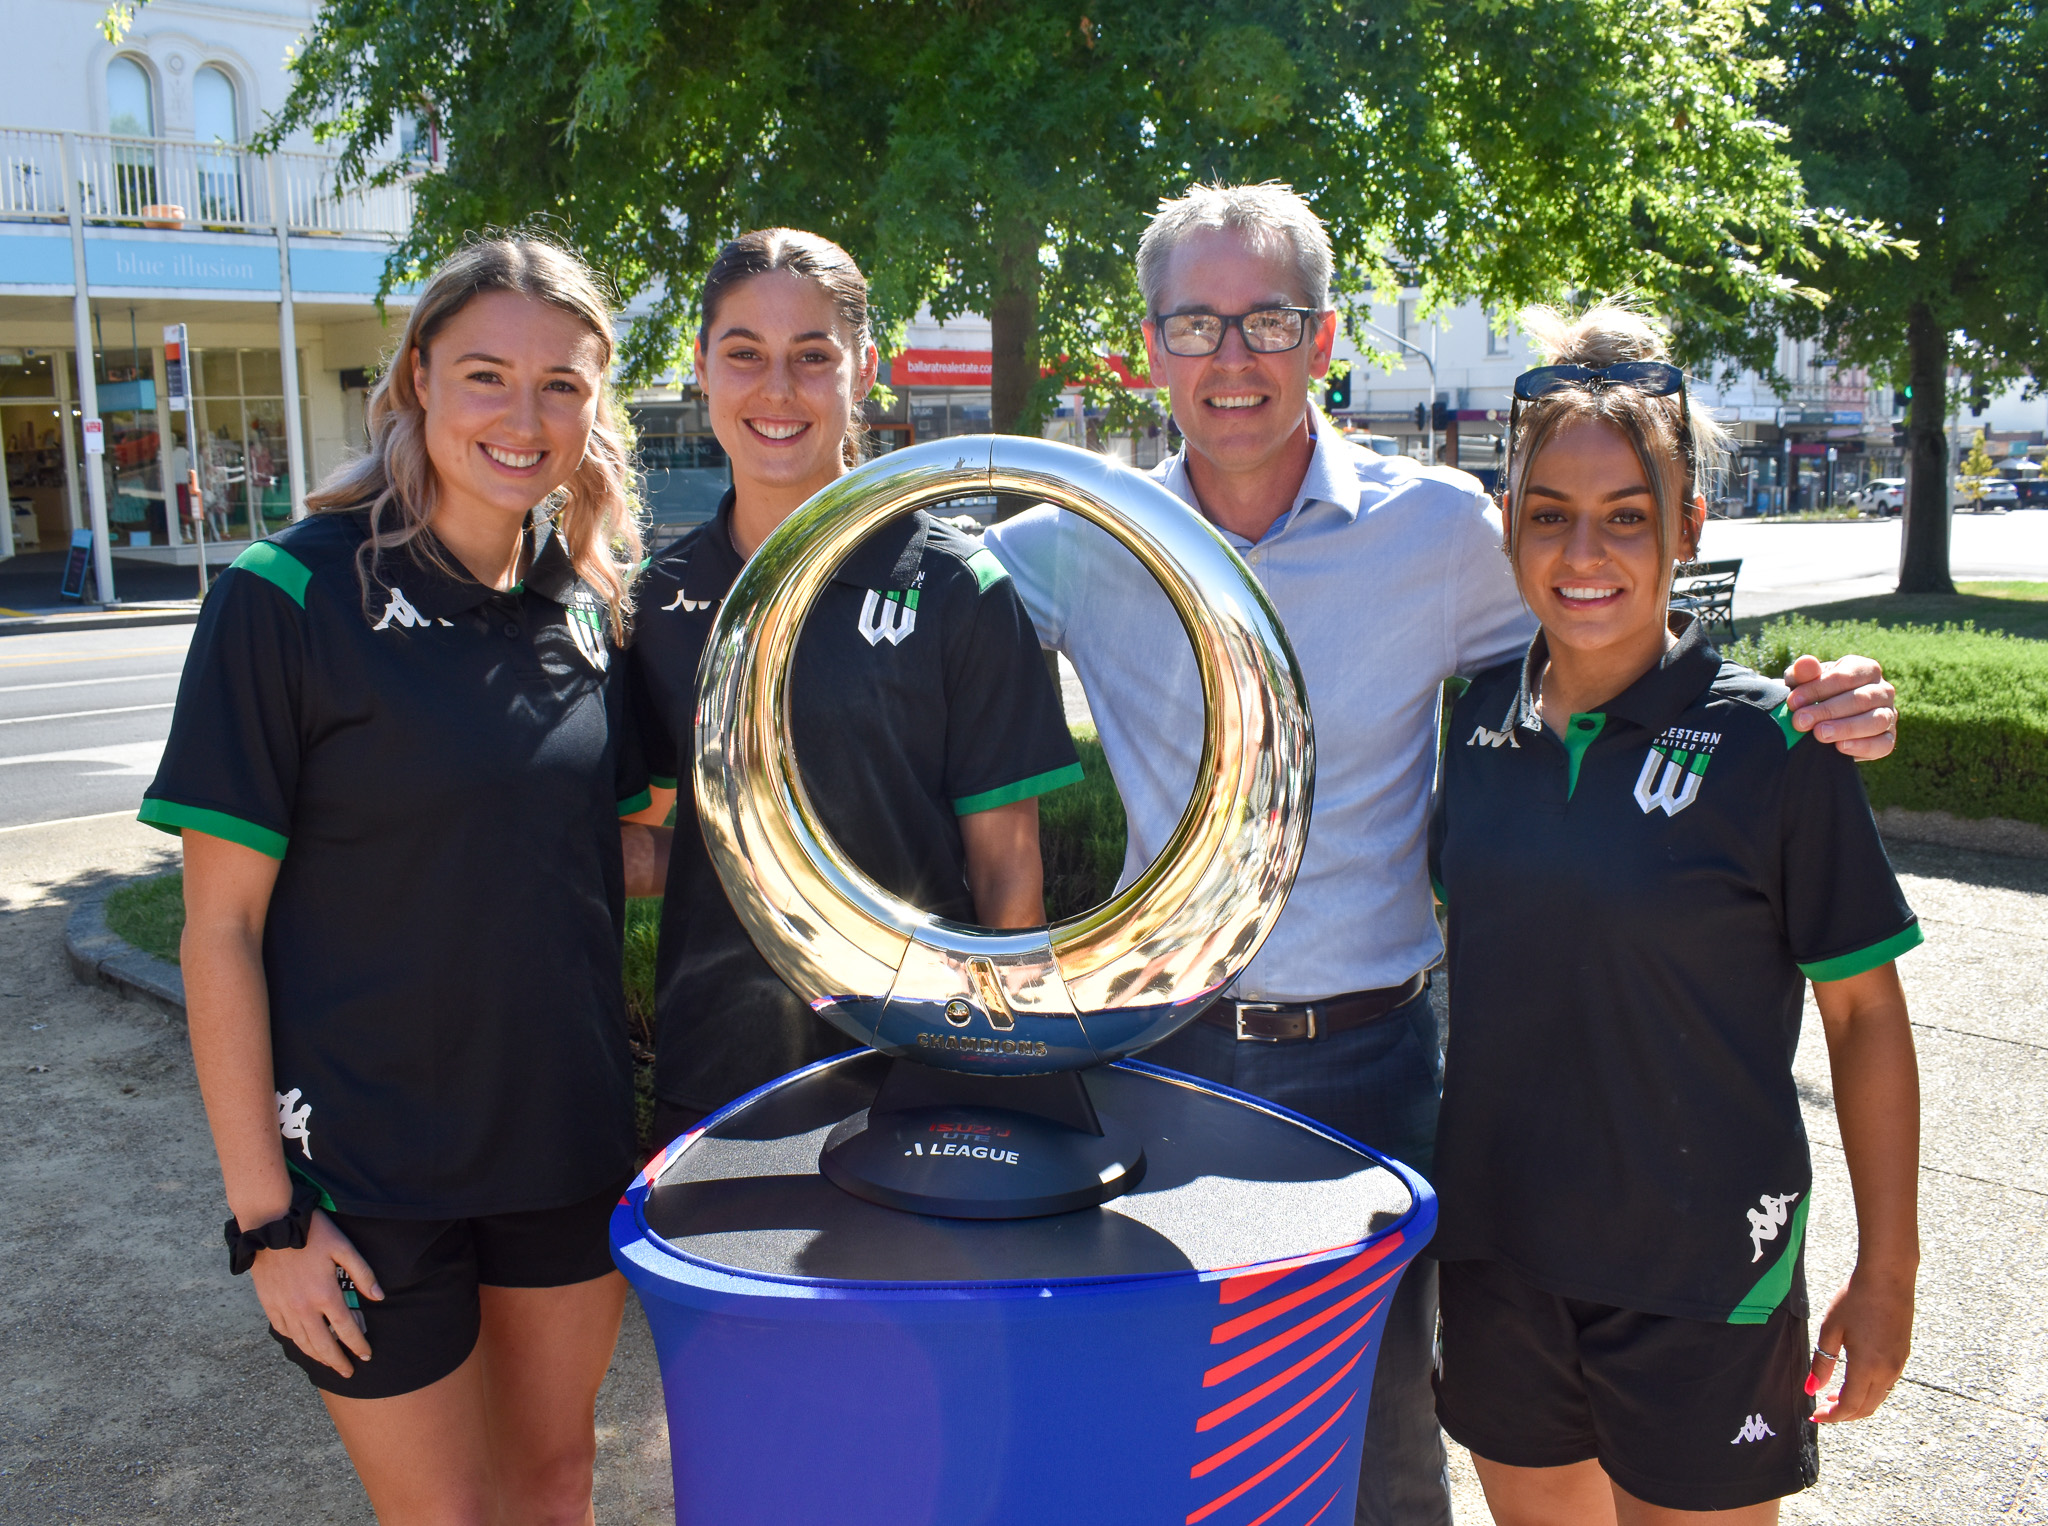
(959, 1146)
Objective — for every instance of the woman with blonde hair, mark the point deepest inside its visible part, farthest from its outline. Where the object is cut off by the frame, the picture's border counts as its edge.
(397, 764)
(1644, 865)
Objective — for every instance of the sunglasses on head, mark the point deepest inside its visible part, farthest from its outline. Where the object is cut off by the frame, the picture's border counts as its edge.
(1653, 378)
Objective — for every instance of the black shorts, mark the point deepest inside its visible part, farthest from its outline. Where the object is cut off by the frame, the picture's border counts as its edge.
(1682, 1413)
(426, 1324)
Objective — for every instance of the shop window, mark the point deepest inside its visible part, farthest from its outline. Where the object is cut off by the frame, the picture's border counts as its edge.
(32, 434)
(244, 467)
(683, 468)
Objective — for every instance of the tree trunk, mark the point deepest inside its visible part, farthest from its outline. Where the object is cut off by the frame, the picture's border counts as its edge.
(1923, 550)
(1013, 329)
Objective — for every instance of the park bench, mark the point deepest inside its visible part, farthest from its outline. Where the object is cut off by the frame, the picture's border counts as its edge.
(1707, 589)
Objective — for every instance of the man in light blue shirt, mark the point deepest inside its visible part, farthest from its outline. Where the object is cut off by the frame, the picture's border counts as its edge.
(1389, 578)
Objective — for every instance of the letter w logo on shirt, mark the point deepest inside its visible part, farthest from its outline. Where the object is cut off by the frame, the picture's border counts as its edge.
(887, 617)
(1670, 781)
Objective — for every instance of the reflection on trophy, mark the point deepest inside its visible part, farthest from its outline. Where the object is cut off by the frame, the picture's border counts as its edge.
(990, 1268)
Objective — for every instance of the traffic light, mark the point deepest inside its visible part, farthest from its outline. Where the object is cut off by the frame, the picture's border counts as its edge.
(1421, 416)
(1337, 395)
(1439, 416)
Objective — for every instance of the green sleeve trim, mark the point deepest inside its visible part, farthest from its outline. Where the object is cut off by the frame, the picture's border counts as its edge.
(633, 803)
(1579, 734)
(276, 565)
(1783, 716)
(1437, 885)
(987, 568)
(1842, 966)
(1023, 789)
(169, 816)
(326, 1200)
(661, 781)
(1762, 1300)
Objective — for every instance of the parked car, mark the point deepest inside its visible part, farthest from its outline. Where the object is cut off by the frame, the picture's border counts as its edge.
(1880, 495)
(2031, 493)
(1993, 493)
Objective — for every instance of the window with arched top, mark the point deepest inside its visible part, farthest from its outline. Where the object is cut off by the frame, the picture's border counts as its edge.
(216, 123)
(214, 118)
(131, 107)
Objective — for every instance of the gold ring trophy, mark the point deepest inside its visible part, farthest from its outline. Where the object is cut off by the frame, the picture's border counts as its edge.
(982, 1023)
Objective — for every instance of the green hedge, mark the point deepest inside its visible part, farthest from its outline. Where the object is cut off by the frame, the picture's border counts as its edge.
(1973, 711)
(1081, 835)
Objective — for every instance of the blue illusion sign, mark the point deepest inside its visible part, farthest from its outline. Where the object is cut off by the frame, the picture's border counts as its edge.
(113, 262)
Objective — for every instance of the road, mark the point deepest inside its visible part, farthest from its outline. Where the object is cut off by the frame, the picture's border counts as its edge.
(1788, 565)
(83, 717)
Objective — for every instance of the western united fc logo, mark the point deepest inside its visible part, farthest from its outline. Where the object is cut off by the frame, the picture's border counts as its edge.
(888, 616)
(1677, 762)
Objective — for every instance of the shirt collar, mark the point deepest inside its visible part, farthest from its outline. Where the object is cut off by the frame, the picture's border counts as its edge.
(1332, 478)
(1653, 701)
(890, 557)
(436, 594)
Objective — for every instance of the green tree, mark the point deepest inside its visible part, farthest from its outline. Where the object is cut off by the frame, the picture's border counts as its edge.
(1927, 116)
(1977, 469)
(1003, 157)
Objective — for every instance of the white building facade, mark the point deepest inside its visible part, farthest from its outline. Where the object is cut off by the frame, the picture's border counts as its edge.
(128, 204)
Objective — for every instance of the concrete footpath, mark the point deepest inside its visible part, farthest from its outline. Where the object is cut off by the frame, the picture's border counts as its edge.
(140, 1385)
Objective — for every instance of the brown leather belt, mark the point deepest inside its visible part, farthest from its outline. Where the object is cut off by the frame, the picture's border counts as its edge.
(1298, 1022)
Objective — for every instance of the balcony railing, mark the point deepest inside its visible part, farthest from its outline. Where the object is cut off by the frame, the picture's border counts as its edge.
(165, 182)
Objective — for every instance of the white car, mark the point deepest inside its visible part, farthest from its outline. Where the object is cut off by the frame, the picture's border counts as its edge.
(1998, 493)
(1880, 495)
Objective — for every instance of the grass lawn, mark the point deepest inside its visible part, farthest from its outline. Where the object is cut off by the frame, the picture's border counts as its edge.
(150, 914)
(2017, 609)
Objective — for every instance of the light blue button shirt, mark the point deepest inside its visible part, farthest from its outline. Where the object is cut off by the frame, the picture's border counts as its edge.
(1389, 578)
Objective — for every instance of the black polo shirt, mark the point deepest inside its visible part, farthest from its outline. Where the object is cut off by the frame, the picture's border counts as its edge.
(918, 695)
(1634, 912)
(439, 768)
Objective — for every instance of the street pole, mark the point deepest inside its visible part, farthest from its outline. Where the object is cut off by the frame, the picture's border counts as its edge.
(288, 337)
(1428, 360)
(88, 381)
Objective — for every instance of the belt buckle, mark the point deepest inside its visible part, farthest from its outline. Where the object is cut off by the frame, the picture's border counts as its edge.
(1243, 1007)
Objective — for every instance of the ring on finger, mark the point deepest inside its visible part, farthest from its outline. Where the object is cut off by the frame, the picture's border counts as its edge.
(1832, 1356)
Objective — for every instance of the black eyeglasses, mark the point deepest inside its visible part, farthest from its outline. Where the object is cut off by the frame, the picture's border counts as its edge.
(1266, 331)
(1653, 378)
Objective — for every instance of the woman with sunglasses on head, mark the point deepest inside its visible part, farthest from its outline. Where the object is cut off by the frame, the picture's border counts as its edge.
(1643, 864)
(923, 718)
(397, 763)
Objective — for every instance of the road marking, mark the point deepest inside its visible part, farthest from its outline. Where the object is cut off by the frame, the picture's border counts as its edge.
(132, 651)
(77, 715)
(123, 760)
(80, 683)
(67, 821)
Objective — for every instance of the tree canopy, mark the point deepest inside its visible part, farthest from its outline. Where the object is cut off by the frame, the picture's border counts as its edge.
(1930, 116)
(999, 157)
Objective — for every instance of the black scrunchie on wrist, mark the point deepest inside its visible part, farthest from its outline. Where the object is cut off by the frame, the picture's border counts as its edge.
(287, 1233)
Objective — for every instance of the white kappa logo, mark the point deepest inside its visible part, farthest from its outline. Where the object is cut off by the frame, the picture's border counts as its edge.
(401, 612)
(1483, 737)
(1753, 1429)
(687, 605)
(1765, 1223)
(887, 617)
(292, 1116)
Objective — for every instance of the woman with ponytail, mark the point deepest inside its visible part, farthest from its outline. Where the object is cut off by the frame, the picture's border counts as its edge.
(397, 764)
(924, 720)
